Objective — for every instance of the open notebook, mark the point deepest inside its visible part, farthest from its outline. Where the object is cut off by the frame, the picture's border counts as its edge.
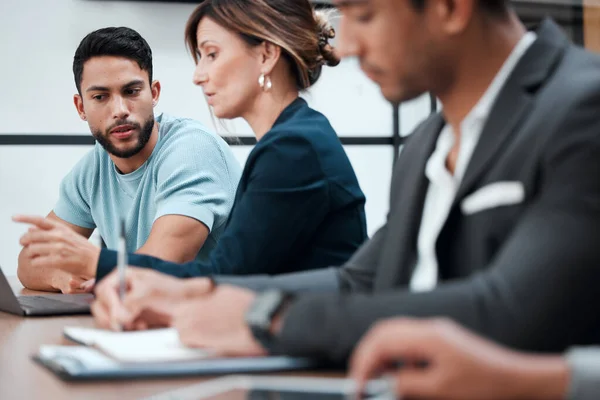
(154, 353)
(158, 345)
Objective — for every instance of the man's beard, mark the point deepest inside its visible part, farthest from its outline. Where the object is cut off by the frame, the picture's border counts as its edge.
(144, 136)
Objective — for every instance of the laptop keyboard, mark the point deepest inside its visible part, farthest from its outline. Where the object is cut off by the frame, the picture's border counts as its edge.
(45, 302)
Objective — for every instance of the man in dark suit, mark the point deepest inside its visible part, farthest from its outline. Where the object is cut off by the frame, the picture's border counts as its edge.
(494, 207)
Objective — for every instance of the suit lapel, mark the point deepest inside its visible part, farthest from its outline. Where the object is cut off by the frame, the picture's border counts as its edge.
(513, 103)
(408, 190)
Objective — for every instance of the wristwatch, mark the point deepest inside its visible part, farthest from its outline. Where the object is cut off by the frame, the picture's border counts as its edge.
(259, 317)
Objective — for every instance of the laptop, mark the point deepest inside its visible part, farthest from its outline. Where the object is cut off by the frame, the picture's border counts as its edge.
(42, 305)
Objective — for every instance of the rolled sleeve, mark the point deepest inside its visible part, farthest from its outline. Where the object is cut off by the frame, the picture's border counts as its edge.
(199, 212)
(73, 205)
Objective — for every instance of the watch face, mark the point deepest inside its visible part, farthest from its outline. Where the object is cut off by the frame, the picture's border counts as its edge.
(258, 320)
(263, 308)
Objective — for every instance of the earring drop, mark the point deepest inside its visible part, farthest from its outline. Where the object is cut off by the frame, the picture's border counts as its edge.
(265, 82)
(268, 84)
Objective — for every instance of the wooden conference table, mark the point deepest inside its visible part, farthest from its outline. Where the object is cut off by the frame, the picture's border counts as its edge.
(22, 378)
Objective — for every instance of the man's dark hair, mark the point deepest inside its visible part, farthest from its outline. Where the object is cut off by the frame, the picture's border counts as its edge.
(119, 42)
(493, 7)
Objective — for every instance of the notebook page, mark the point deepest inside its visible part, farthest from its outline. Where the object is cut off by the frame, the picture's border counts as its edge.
(157, 345)
(72, 358)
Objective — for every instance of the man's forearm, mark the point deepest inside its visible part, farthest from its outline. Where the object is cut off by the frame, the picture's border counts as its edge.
(175, 238)
(174, 255)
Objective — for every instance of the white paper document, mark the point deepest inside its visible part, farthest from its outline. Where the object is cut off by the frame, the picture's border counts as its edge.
(157, 345)
(145, 354)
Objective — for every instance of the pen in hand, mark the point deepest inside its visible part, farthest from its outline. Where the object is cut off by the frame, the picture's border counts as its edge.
(121, 268)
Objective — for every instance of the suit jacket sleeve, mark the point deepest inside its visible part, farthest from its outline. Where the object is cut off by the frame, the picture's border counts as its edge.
(537, 292)
(356, 275)
(584, 364)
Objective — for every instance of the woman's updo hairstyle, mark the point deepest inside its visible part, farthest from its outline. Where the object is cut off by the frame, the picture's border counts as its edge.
(302, 33)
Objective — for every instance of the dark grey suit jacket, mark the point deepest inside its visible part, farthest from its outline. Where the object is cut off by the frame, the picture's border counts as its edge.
(524, 274)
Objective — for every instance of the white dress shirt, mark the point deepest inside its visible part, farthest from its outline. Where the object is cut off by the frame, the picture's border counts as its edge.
(442, 184)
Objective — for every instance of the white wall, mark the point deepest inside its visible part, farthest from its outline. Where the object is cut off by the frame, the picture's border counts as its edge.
(37, 41)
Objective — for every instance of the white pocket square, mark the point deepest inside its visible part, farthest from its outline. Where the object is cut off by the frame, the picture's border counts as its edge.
(493, 195)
